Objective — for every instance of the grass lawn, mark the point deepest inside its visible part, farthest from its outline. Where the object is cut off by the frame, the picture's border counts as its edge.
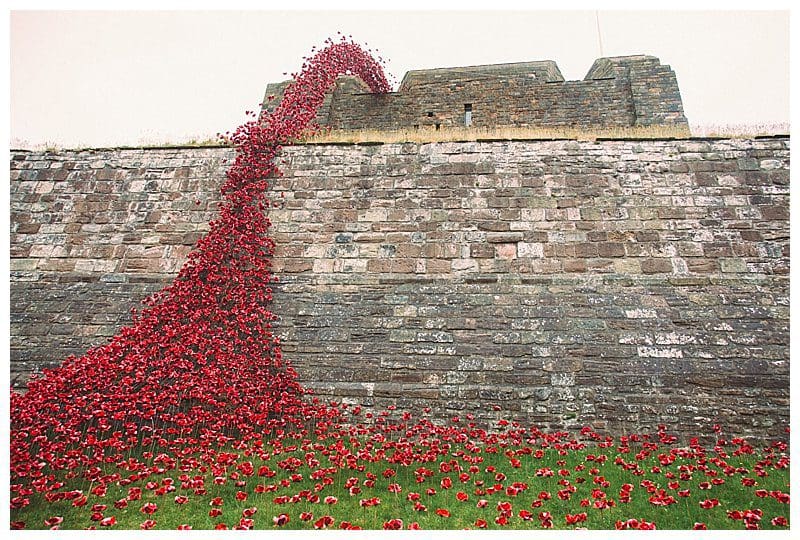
(404, 473)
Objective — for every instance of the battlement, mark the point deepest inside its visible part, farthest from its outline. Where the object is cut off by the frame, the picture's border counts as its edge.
(620, 91)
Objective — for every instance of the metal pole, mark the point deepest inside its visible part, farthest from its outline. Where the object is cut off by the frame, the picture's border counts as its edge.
(599, 36)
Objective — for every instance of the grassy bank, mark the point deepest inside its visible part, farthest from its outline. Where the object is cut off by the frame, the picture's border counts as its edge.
(416, 474)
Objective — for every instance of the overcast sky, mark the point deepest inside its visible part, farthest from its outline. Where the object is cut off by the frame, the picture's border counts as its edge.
(82, 78)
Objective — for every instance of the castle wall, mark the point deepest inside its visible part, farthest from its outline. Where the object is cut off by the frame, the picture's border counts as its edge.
(617, 92)
(618, 283)
(604, 103)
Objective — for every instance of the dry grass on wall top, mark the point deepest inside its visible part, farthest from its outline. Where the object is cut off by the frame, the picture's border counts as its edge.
(462, 134)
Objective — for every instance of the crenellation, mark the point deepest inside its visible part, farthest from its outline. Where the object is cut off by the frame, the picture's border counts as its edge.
(621, 91)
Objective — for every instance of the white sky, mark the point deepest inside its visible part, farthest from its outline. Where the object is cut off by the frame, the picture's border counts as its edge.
(82, 78)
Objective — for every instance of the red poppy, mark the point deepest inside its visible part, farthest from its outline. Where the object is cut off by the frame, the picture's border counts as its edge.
(443, 512)
(149, 508)
(280, 520)
(504, 507)
(573, 519)
(147, 524)
(55, 520)
(393, 524)
(324, 522)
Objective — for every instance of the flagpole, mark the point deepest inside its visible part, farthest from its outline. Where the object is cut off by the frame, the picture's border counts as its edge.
(599, 36)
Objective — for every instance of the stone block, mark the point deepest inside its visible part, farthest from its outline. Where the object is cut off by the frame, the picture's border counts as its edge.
(656, 266)
(504, 237)
(733, 265)
(505, 251)
(528, 249)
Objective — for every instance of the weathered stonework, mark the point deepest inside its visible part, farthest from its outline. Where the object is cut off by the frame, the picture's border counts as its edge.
(618, 283)
(621, 91)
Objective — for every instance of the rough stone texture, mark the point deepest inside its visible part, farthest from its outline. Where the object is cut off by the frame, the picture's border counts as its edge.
(618, 283)
(617, 92)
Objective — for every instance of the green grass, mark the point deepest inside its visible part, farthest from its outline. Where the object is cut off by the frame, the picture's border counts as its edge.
(732, 494)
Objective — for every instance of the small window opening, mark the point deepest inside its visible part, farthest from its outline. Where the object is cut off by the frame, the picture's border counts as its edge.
(438, 125)
(467, 114)
(430, 115)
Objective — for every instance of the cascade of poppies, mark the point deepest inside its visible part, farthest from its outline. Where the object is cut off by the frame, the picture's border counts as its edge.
(200, 365)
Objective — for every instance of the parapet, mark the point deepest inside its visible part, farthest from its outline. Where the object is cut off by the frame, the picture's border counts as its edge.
(620, 91)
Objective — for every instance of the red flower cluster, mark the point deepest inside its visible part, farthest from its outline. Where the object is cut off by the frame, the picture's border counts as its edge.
(751, 518)
(634, 523)
(200, 366)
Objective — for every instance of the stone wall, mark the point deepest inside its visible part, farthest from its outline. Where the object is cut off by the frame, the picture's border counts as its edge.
(617, 92)
(618, 283)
